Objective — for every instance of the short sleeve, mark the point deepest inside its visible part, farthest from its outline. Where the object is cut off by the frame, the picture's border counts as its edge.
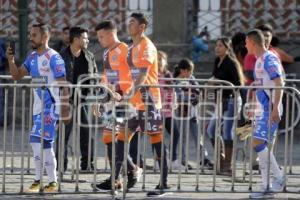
(27, 62)
(149, 54)
(273, 66)
(57, 65)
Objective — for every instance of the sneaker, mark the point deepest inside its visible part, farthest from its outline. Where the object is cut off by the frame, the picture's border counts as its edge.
(35, 187)
(51, 187)
(189, 167)
(176, 165)
(85, 167)
(159, 192)
(255, 167)
(134, 177)
(278, 184)
(208, 164)
(106, 185)
(262, 195)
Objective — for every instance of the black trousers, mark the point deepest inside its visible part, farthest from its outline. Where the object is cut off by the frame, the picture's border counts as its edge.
(84, 140)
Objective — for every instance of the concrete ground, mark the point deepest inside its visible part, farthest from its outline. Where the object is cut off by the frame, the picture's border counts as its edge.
(188, 180)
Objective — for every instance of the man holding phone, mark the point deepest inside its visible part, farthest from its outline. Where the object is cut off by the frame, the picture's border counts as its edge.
(45, 66)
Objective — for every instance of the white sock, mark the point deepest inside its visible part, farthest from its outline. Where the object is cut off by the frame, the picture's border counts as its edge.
(275, 168)
(36, 148)
(50, 164)
(263, 166)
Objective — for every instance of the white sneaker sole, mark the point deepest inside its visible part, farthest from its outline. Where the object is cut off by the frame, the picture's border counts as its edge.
(262, 196)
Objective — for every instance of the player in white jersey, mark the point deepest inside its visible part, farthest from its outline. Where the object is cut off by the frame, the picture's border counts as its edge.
(44, 65)
(268, 72)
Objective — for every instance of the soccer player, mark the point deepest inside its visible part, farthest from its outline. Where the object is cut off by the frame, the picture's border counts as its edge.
(118, 77)
(268, 72)
(142, 60)
(43, 63)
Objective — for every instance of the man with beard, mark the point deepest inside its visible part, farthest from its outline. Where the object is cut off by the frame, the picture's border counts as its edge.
(80, 63)
(45, 66)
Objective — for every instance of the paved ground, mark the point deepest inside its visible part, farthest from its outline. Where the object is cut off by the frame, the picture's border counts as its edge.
(187, 184)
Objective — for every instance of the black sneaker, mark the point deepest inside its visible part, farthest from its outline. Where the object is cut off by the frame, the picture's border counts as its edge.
(84, 167)
(134, 177)
(208, 164)
(159, 192)
(106, 185)
(255, 167)
(189, 167)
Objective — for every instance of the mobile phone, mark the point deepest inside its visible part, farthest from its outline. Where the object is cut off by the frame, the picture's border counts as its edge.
(11, 44)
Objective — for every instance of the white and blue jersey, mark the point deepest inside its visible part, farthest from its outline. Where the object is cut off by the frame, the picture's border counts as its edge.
(45, 68)
(267, 68)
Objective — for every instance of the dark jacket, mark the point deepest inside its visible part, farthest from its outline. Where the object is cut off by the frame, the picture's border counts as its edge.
(227, 71)
(68, 57)
(59, 46)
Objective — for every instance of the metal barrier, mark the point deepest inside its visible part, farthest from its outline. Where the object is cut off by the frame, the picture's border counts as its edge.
(193, 176)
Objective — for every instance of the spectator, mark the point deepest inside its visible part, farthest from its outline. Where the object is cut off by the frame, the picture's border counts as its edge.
(64, 41)
(238, 45)
(284, 56)
(199, 45)
(240, 51)
(184, 70)
(226, 68)
(168, 103)
(79, 62)
(3, 62)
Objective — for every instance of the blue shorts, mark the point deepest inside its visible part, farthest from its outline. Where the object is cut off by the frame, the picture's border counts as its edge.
(261, 128)
(50, 119)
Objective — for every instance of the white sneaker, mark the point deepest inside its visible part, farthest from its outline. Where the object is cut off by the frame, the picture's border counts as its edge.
(278, 184)
(176, 165)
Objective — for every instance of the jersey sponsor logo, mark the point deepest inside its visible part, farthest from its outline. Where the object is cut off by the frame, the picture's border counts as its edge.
(39, 80)
(259, 72)
(47, 56)
(48, 119)
(44, 63)
(45, 69)
(59, 68)
(59, 60)
(273, 69)
(135, 73)
(32, 62)
(47, 134)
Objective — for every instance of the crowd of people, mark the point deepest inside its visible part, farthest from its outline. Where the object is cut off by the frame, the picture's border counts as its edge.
(246, 58)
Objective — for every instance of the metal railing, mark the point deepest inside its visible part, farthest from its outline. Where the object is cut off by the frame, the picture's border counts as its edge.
(95, 126)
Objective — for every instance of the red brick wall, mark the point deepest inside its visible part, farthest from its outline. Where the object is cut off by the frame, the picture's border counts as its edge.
(283, 15)
(60, 13)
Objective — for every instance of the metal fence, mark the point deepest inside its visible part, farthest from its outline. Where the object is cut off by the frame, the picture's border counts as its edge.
(209, 101)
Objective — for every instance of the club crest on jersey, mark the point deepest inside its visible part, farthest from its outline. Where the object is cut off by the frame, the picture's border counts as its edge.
(114, 58)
